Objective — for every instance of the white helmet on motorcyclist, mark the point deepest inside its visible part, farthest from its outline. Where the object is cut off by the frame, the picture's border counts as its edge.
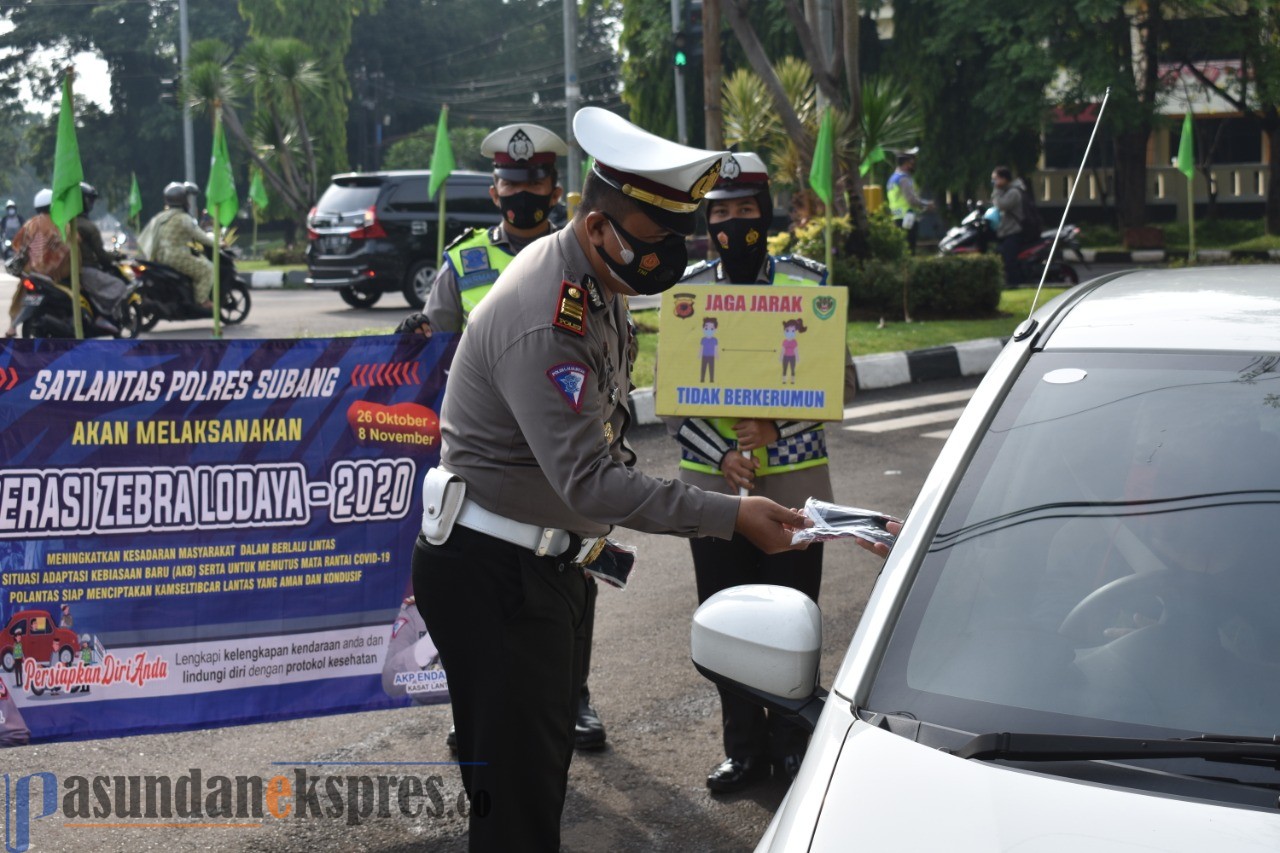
(43, 200)
(11, 203)
(88, 195)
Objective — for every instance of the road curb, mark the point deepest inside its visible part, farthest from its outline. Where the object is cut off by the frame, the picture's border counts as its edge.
(883, 370)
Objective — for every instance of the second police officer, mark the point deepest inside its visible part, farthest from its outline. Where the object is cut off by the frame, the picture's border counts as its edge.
(787, 463)
(525, 189)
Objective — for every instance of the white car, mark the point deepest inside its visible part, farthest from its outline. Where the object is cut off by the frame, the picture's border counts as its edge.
(1075, 643)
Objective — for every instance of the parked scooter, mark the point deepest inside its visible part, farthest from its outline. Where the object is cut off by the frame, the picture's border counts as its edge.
(167, 293)
(46, 311)
(975, 234)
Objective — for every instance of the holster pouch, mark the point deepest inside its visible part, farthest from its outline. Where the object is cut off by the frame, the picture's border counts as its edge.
(613, 565)
(442, 494)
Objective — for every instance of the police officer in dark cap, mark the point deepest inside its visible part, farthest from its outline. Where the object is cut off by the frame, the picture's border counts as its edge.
(535, 475)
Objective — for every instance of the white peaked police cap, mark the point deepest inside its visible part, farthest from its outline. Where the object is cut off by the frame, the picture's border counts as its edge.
(523, 152)
(668, 179)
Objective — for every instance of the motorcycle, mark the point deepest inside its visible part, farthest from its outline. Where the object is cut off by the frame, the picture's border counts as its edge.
(46, 311)
(975, 234)
(167, 293)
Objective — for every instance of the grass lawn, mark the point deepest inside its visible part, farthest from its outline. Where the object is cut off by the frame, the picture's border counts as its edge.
(261, 266)
(865, 338)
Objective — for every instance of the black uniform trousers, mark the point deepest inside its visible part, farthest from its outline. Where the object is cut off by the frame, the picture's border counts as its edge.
(510, 627)
(749, 730)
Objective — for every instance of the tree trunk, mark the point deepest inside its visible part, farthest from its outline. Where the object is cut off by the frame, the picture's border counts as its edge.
(1131, 178)
(760, 64)
(1271, 124)
(712, 73)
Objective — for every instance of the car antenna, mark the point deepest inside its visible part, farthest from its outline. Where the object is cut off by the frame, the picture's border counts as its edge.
(1058, 234)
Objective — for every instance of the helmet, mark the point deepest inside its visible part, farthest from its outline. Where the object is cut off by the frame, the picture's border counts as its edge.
(175, 194)
(88, 195)
(43, 199)
(10, 203)
(191, 188)
(744, 174)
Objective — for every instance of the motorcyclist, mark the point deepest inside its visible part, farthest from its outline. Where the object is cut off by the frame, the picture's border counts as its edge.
(41, 249)
(167, 239)
(12, 221)
(104, 288)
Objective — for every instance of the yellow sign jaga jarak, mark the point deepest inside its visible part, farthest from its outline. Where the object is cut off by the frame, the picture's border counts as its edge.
(752, 351)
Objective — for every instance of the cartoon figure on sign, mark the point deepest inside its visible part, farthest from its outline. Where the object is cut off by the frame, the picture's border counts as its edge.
(791, 347)
(66, 621)
(710, 345)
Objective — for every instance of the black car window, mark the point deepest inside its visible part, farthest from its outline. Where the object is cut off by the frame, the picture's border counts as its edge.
(346, 198)
(410, 196)
(470, 198)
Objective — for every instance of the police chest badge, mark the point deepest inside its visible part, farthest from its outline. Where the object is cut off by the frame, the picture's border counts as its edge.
(474, 260)
(570, 379)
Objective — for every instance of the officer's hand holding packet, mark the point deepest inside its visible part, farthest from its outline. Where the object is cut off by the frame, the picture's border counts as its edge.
(832, 521)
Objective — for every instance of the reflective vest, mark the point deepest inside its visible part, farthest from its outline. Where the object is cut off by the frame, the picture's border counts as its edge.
(898, 204)
(807, 449)
(477, 259)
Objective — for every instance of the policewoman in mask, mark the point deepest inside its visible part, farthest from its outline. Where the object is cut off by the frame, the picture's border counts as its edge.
(535, 474)
(525, 189)
(787, 462)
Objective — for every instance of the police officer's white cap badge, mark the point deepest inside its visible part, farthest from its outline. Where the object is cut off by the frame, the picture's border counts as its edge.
(521, 146)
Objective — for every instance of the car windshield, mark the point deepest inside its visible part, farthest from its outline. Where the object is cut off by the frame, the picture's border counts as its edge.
(1110, 560)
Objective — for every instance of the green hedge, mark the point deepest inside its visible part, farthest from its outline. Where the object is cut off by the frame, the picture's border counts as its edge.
(940, 286)
(283, 255)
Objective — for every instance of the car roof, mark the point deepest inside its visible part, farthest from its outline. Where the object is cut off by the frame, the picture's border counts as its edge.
(1227, 309)
(409, 173)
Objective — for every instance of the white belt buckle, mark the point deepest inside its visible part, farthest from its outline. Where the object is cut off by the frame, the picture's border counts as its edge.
(544, 543)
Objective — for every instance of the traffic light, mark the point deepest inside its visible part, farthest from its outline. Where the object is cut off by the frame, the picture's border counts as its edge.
(681, 45)
(693, 27)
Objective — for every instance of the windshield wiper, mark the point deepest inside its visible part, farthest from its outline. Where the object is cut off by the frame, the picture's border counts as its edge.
(1031, 746)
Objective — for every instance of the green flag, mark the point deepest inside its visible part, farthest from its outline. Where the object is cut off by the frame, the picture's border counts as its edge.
(442, 162)
(67, 202)
(876, 156)
(1187, 149)
(258, 191)
(820, 172)
(221, 190)
(135, 199)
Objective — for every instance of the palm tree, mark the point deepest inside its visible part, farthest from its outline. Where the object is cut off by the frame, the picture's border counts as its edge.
(889, 120)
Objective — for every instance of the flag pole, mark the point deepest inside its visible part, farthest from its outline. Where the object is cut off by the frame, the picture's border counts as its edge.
(217, 237)
(1191, 215)
(440, 226)
(73, 242)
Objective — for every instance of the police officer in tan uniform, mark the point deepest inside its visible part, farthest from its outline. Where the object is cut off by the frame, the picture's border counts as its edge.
(525, 188)
(534, 471)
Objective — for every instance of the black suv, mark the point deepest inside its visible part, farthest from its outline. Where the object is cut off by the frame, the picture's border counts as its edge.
(375, 232)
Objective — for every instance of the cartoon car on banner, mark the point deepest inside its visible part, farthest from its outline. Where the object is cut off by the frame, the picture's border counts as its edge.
(412, 666)
(41, 640)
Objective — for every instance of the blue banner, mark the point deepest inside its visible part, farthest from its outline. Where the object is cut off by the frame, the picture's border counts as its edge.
(207, 533)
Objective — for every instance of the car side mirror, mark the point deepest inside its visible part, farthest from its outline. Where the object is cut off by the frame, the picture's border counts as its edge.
(764, 643)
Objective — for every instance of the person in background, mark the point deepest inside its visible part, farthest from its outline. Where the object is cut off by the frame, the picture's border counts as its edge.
(12, 221)
(1006, 197)
(905, 205)
(168, 237)
(784, 461)
(40, 245)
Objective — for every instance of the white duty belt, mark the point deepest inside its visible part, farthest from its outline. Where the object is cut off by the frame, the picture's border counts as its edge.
(542, 541)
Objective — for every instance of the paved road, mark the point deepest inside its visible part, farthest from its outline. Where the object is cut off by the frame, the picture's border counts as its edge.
(645, 792)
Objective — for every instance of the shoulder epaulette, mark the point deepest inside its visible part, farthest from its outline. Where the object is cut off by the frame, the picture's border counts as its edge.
(571, 309)
(700, 272)
(467, 234)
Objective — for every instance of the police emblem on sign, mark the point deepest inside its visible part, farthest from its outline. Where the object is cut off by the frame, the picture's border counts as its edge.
(570, 378)
(474, 260)
(520, 147)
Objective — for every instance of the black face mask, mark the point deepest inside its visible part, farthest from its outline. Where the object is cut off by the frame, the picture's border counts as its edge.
(742, 247)
(647, 268)
(525, 210)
